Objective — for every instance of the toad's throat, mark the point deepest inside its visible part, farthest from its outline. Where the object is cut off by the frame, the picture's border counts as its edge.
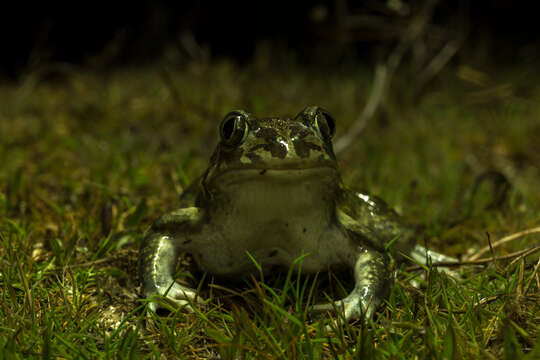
(270, 197)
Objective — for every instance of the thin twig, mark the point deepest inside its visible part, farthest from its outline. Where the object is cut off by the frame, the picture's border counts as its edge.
(522, 256)
(384, 73)
(487, 300)
(439, 61)
(115, 257)
(379, 86)
(492, 252)
(519, 285)
(525, 252)
(504, 240)
(480, 302)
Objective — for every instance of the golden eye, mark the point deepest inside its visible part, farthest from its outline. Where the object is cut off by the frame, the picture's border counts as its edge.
(233, 128)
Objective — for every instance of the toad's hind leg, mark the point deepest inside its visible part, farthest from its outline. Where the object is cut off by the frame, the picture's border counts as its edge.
(157, 265)
(372, 279)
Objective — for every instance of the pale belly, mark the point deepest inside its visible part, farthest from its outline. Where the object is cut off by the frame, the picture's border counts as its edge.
(273, 219)
(231, 254)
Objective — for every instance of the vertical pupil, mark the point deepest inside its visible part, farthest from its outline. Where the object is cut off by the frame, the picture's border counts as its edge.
(323, 126)
(329, 124)
(228, 128)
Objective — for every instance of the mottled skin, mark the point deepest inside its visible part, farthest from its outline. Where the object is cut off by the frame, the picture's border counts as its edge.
(273, 190)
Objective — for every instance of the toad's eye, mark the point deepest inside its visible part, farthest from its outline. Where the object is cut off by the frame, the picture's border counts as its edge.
(325, 123)
(233, 128)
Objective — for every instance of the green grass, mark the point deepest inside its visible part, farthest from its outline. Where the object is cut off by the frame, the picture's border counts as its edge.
(87, 161)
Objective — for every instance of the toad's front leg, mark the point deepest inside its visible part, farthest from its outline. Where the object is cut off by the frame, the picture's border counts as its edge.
(372, 279)
(159, 254)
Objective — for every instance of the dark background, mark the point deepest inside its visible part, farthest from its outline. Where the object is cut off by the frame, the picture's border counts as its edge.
(116, 34)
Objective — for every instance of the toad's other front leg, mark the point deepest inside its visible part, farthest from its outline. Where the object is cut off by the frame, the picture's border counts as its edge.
(158, 257)
(372, 279)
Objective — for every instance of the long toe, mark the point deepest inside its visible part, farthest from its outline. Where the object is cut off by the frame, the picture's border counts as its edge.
(177, 296)
(179, 292)
(327, 307)
(356, 309)
(352, 306)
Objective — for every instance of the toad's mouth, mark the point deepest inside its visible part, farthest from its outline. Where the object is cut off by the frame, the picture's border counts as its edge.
(275, 195)
(323, 174)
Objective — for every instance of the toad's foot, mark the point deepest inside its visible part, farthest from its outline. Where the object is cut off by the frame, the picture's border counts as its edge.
(372, 276)
(158, 262)
(176, 295)
(354, 306)
(424, 256)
